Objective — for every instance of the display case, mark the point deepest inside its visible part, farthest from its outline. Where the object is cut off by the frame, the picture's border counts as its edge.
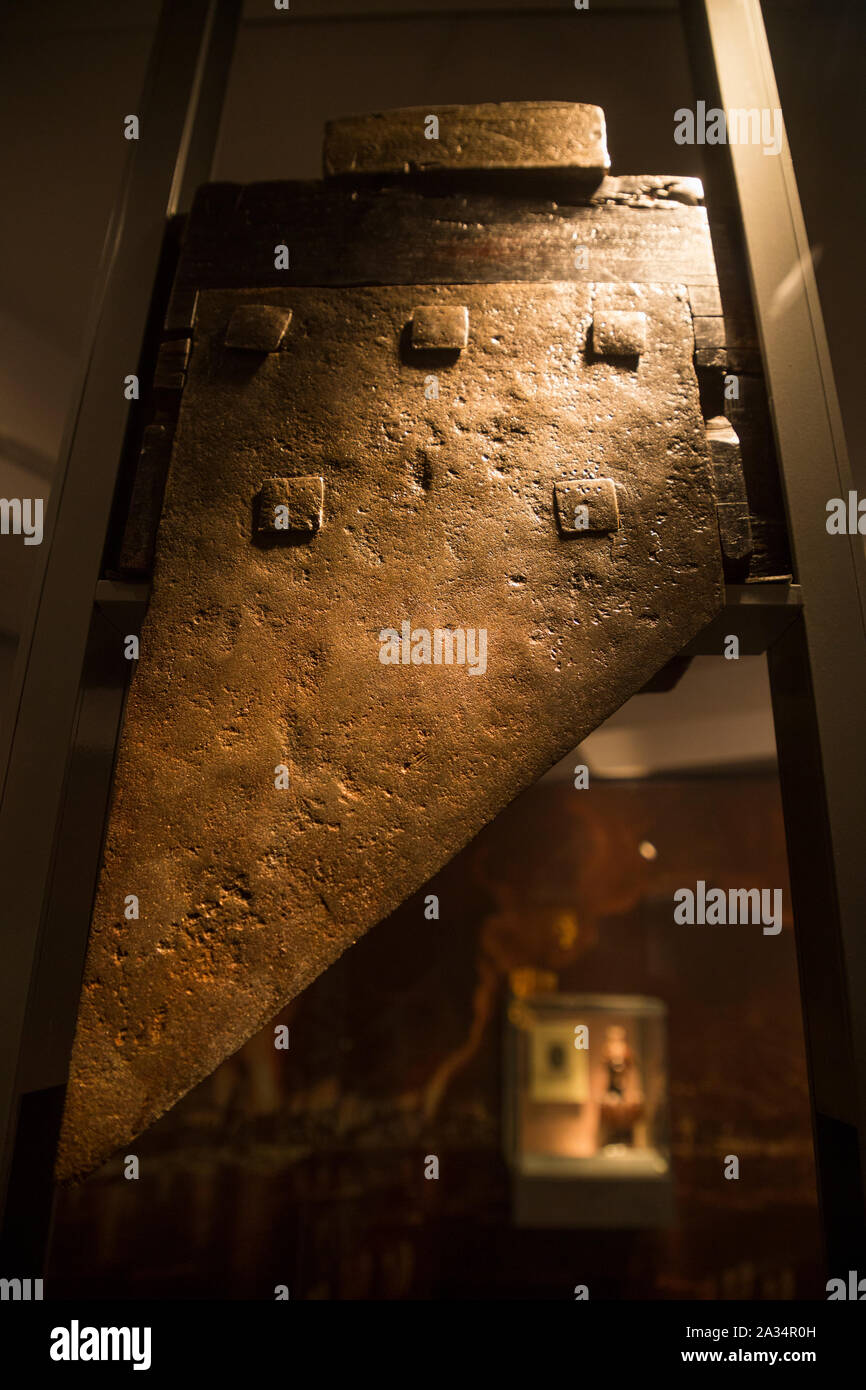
(587, 1110)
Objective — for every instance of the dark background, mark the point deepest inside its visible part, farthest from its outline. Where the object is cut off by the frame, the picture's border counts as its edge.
(306, 1167)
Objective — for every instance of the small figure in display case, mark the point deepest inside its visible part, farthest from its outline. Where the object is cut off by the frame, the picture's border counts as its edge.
(586, 1112)
(622, 1104)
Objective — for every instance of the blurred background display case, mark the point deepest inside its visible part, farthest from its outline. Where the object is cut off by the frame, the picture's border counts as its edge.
(587, 1110)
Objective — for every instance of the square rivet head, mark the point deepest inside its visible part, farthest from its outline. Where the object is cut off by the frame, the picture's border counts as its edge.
(586, 505)
(619, 333)
(291, 504)
(257, 327)
(440, 327)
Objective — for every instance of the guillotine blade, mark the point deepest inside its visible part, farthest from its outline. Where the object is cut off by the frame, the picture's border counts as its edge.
(367, 482)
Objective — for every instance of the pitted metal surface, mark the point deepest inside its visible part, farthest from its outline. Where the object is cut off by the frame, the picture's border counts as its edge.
(280, 787)
(517, 136)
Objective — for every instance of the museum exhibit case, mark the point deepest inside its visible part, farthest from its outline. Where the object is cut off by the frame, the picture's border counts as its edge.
(587, 1110)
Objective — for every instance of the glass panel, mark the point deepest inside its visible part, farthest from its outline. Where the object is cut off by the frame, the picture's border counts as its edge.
(68, 76)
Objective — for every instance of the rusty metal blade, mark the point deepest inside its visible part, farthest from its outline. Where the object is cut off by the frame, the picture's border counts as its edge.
(449, 475)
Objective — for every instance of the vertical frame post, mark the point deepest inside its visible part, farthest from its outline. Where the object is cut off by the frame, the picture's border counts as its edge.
(818, 667)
